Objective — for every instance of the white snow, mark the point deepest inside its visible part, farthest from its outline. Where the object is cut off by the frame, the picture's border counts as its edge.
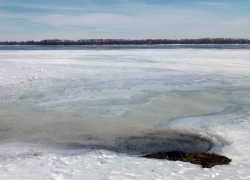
(49, 98)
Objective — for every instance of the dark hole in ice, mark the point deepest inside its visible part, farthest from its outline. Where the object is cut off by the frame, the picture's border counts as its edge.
(142, 145)
(150, 144)
(177, 147)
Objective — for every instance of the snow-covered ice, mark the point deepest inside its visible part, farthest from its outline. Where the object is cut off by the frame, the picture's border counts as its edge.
(54, 103)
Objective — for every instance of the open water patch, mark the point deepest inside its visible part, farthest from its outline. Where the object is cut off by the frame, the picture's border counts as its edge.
(151, 144)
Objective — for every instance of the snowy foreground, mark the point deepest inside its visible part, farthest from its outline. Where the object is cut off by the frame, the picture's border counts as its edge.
(54, 103)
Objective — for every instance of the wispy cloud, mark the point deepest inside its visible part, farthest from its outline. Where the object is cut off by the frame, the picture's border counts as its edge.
(145, 17)
(213, 3)
(93, 20)
(41, 6)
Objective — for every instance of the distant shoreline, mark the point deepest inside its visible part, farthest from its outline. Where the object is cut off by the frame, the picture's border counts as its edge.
(99, 42)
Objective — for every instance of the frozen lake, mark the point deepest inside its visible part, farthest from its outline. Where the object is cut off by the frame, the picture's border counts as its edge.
(63, 108)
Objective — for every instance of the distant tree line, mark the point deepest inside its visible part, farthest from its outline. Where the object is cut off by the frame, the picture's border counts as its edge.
(129, 42)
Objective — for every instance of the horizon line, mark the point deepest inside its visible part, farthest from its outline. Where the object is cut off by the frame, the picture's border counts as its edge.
(127, 39)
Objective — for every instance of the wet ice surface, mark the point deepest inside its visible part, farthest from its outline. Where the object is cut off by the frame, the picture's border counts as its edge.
(55, 103)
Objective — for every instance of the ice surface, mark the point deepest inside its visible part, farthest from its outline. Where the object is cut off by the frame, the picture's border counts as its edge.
(52, 99)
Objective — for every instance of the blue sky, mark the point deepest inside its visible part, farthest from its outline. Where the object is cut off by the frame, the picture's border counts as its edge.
(129, 19)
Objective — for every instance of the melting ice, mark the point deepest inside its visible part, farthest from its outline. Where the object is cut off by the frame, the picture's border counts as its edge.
(87, 113)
